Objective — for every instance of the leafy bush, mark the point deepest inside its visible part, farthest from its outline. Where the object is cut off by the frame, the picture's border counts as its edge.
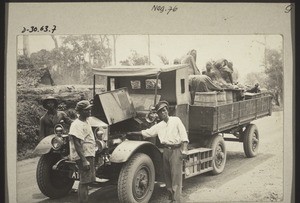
(28, 114)
(24, 62)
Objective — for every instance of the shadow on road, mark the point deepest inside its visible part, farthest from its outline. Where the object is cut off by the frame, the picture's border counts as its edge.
(107, 195)
(236, 165)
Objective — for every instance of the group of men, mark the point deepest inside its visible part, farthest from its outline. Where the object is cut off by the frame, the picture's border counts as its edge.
(216, 77)
(170, 131)
(82, 140)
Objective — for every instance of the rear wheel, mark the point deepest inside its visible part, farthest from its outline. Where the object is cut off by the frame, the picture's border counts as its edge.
(136, 179)
(52, 183)
(251, 141)
(217, 144)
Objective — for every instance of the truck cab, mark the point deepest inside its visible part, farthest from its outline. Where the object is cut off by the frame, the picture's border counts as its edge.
(132, 93)
(145, 86)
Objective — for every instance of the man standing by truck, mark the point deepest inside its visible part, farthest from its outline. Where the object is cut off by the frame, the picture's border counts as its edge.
(52, 117)
(173, 136)
(83, 148)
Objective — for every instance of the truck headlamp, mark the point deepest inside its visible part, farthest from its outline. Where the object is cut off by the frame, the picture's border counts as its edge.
(151, 117)
(58, 129)
(57, 142)
(101, 133)
(115, 141)
(101, 145)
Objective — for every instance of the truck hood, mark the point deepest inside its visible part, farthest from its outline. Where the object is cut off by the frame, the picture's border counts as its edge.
(113, 106)
(95, 122)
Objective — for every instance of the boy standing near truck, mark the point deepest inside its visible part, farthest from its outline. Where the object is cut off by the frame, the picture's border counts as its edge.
(83, 148)
(173, 136)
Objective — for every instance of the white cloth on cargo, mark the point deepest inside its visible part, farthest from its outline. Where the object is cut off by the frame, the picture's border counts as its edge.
(202, 83)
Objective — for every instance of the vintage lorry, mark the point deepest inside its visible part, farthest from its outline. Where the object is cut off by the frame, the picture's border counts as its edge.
(132, 163)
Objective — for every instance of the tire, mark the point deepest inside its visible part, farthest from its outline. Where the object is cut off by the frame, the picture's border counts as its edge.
(251, 141)
(136, 179)
(52, 183)
(217, 144)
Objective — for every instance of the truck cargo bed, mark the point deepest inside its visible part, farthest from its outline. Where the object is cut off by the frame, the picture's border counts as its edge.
(213, 119)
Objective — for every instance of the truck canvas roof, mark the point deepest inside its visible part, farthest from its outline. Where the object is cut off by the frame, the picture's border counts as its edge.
(145, 70)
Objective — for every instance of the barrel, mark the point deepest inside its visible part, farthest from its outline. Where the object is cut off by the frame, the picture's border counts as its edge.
(221, 98)
(229, 96)
(205, 99)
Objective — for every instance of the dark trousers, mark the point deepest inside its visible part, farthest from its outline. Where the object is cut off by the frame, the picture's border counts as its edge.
(172, 165)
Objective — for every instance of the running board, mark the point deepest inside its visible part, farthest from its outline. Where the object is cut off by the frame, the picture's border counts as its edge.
(97, 184)
(232, 139)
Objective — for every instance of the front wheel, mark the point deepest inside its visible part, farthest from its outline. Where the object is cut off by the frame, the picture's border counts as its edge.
(251, 141)
(52, 183)
(136, 179)
(217, 144)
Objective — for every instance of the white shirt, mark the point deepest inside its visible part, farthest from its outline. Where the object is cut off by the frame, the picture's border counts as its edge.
(172, 132)
(83, 131)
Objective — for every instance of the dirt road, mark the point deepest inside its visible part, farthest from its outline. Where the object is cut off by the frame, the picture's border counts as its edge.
(257, 179)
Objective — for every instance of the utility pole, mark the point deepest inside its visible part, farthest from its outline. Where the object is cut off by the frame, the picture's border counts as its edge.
(265, 51)
(114, 52)
(149, 61)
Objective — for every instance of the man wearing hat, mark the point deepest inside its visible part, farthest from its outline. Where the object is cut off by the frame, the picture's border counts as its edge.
(255, 89)
(190, 58)
(52, 117)
(173, 136)
(83, 148)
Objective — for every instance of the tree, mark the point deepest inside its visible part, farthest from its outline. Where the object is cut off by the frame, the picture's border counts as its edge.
(77, 55)
(274, 72)
(23, 62)
(135, 59)
(26, 48)
(256, 77)
(55, 41)
(41, 59)
(115, 37)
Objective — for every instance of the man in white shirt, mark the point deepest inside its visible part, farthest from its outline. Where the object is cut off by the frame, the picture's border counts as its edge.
(83, 148)
(173, 136)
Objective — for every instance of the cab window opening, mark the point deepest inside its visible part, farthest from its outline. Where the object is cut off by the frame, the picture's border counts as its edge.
(150, 84)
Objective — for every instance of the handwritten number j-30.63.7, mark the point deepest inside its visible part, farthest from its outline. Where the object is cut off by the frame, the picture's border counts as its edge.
(44, 29)
(162, 9)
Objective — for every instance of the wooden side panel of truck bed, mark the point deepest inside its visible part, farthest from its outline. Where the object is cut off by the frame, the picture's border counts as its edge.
(213, 119)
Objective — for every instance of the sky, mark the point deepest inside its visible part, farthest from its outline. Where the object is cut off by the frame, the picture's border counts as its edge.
(245, 51)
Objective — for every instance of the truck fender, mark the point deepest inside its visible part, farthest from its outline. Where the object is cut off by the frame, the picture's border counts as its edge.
(44, 146)
(127, 148)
